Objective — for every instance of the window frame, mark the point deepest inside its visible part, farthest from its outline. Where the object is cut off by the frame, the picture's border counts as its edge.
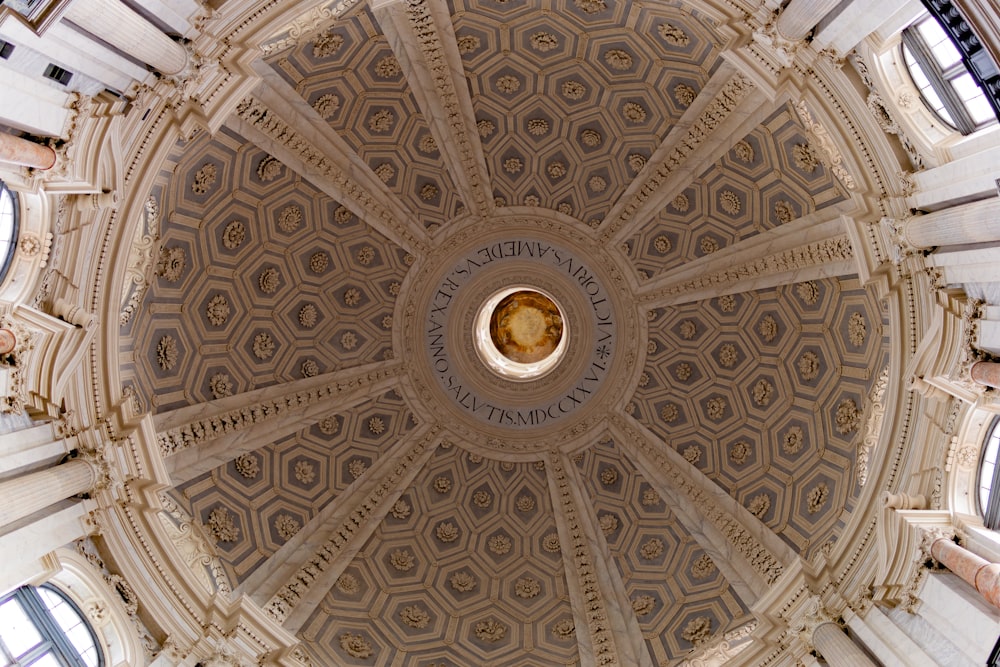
(991, 511)
(7, 259)
(53, 639)
(940, 79)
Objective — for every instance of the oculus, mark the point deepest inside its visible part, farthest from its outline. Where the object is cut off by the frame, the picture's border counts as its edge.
(520, 333)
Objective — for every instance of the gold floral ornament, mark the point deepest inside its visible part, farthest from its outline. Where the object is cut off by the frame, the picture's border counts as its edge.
(702, 567)
(683, 371)
(247, 465)
(763, 392)
(618, 59)
(356, 645)
(808, 292)
(376, 426)
(573, 90)
(608, 523)
(609, 476)
(381, 121)
(446, 531)
(544, 42)
(857, 329)
(217, 310)
(793, 440)
(538, 126)
(204, 179)
(286, 526)
(468, 44)
(171, 264)
(643, 605)
(485, 128)
(817, 497)
(563, 629)
(651, 549)
(551, 543)
(633, 112)
(684, 94)
(401, 509)
(309, 368)
(327, 43)
(318, 262)
(805, 157)
(356, 468)
(692, 454)
(269, 169)
(729, 201)
(166, 352)
(673, 35)
(556, 170)
(348, 584)
(491, 630)
(308, 315)
(221, 525)
(740, 452)
(326, 105)
(385, 172)
(507, 84)
(220, 385)
(499, 544)
(402, 560)
(305, 472)
(698, 630)
(591, 6)
(268, 280)
(715, 408)
(527, 588)
(636, 162)
(387, 67)
(688, 329)
(744, 151)
(234, 234)
(669, 413)
(728, 355)
(759, 505)
(525, 503)
(650, 497)
(681, 203)
(427, 144)
(329, 425)
(462, 581)
(513, 165)
(767, 328)
(848, 416)
(263, 346)
(290, 218)
(415, 616)
(442, 484)
(809, 365)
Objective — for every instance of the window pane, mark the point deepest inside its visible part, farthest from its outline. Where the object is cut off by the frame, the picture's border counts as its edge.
(47, 660)
(975, 101)
(989, 464)
(17, 630)
(71, 623)
(943, 50)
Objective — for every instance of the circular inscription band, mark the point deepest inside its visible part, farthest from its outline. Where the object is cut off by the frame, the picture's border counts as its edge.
(501, 267)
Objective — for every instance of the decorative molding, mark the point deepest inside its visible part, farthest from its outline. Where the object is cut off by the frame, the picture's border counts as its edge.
(178, 438)
(191, 543)
(264, 120)
(818, 253)
(599, 625)
(734, 91)
(142, 254)
(449, 106)
(758, 557)
(821, 137)
(873, 424)
(724, 650)
(353, 523)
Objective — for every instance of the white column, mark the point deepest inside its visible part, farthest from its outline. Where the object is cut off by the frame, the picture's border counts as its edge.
(121, 27)
(892, 646)
(838, 649)
(858, 20)
(978, 222)
(24, 547)
(32, 106)
(26, 494)
(27, 446)
(801, 16)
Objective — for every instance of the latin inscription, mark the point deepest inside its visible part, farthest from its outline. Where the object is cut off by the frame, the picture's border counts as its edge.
(601, 317)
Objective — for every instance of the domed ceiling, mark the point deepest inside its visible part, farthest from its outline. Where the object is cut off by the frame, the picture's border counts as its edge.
(325, 252)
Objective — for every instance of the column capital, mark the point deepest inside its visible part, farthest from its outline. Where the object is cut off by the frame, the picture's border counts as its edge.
(808, 617)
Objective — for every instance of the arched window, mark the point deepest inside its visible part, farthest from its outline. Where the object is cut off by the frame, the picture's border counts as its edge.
(989, 485)
(944, 82)
(8, 228)
(41, 627)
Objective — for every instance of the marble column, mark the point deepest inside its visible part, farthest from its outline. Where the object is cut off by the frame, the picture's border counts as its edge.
(983, 575)
(986, 373)
(24, 153)
(837, 648)
(129, 32)
(978, 222)
(801, 16)
(26, 494)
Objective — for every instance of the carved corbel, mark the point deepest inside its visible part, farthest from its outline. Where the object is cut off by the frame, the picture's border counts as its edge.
(809, 616)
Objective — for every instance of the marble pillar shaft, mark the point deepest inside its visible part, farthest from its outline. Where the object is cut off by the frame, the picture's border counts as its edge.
(978, 222)
(24, 495)
(129, 32)
(24, 153)
(837, 648)
(986, 373)
(983, 575)
(801, 16)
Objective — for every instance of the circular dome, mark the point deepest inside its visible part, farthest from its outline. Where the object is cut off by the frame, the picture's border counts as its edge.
(519, 333)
